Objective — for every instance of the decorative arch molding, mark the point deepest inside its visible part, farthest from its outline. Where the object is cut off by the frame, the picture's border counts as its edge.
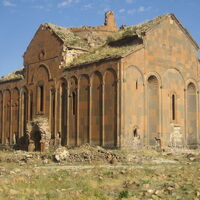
(109, 69)
(96, 98)
(23, 110)
(109, 104)
(59, 83)
(23, 89)
(46, 68)
(62, 92)
(153, 83)
(83, 76)
(7, 116)
(98, 73)
(83, 108)
(179, 72)
(191, 114)
(193, 81)
(6, 90)
(73, 82)
(137, 68)
(15, 114)
(72, 99)
(157, 75)
(15, 89)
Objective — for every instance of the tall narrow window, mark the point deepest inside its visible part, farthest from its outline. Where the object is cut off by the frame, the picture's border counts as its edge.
(52, 113)
(41, 93)
(74, 103)
(173, 107)
(31, 106)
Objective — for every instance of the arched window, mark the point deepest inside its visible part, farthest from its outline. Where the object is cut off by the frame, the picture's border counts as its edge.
(74, 103)
(173, 108)
(52, 113)
(135, 132)
(136, 84)
(41, 98)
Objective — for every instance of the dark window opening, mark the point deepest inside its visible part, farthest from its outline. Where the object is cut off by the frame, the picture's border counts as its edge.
(136, 85)
(173, 107)
(135, 132)
(52, 114)
(41, 90)
(74, 103)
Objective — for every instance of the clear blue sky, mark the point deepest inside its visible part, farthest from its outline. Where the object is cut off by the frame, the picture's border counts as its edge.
(19, 19)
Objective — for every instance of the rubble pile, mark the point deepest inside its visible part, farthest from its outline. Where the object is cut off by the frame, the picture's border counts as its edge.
(88, 153)
(85, 153)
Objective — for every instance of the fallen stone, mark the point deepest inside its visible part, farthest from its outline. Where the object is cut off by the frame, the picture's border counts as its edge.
(61, 154)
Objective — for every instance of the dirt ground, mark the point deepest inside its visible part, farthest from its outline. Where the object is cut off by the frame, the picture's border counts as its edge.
(95, 173)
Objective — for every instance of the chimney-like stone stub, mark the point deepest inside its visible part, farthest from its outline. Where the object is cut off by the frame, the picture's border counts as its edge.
(108, 27)
(110, 19)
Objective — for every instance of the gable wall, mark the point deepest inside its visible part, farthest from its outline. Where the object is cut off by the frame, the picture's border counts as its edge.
(170, 59)
(132, 95)
(167, 46)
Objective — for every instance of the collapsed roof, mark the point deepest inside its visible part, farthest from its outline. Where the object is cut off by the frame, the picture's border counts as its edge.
(85, 45)
(17, 75)
(97, 46)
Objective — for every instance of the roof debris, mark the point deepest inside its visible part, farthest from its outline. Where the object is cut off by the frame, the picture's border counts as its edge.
(101, 46)
(17, 75)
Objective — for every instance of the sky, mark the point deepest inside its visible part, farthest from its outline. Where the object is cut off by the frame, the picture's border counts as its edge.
(20, 19)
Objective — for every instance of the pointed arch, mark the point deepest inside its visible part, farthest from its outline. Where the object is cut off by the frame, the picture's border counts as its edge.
(42, 71)
(110, 108)
(191, 115)
(96, 108)
(15, 115)
(7, 116)
(52, 111)
(153, 109)
(63, 111)
(23, 111)
(84, 109)
(73, 83)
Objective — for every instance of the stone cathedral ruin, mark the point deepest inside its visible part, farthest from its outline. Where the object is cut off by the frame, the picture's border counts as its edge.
(128, 87)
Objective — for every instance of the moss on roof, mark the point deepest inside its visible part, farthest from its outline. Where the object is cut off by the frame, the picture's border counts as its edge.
(145, 26)
(101, 46)
(17, 75)
(70, 38)
(102, 53)
(138, 30)
(109, 51)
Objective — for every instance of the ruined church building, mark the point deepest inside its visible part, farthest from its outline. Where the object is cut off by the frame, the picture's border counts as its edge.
(132, 87)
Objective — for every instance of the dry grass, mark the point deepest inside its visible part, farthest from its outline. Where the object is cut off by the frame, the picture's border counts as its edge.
(133, 180)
